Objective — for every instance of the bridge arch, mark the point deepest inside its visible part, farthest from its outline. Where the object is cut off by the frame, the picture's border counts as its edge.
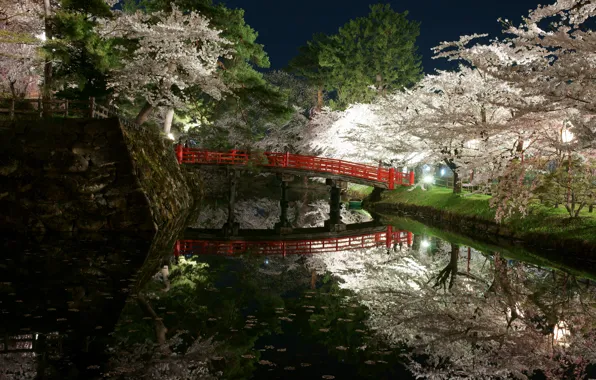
(297, 164)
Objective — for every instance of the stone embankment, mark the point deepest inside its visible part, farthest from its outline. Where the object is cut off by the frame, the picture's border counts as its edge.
(76, 175)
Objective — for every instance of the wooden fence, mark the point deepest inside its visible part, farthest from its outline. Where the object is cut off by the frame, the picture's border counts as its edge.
(39, 108)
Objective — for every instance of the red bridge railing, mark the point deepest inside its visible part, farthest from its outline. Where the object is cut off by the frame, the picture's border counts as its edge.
(390, 177)
(292, 247)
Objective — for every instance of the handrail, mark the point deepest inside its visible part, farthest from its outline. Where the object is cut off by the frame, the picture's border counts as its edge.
(63, 107)
(292, 247)
(390, 176)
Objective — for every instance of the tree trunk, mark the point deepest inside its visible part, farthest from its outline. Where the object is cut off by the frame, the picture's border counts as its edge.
(47, 69)
(167, 124)
(319, 99)
(144, 113)
(379, 84)
(450, 271)
(456, 183)
(160, 328)
(456, 179)
(579, 209)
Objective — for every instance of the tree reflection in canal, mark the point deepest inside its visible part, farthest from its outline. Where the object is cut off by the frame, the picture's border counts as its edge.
(437, 309)
(465, 314)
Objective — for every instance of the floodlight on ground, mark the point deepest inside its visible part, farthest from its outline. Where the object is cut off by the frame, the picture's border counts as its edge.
(567, 136)
(428, 179)
(425, 244)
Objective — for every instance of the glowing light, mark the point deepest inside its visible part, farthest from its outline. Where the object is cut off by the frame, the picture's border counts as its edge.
(443, 172)
(171, 136)
(267, 261)
(560, 333)
(404, 169)
(472, 144)
(41, 36)
(567, 135)
(428, 179)
(425, 244)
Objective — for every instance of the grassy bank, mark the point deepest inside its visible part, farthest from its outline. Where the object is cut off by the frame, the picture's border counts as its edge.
(514, 252)
(540, 220)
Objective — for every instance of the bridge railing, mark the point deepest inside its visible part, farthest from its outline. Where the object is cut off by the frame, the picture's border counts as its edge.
(292, 247)
(389, 176)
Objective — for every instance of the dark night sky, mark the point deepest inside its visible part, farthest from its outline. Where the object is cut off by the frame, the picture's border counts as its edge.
(284, 25)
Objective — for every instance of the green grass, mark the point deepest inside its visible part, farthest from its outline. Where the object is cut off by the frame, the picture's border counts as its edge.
(540, 220)
(514, 252)
(356, 191)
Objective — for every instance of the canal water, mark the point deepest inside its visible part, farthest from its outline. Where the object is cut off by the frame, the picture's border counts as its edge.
(434, 305)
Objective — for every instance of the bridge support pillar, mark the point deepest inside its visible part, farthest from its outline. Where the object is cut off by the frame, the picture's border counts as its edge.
(284, 227)
(231, 227)
(334, 224)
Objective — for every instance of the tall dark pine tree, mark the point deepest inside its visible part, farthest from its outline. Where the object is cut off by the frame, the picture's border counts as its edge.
(81, 57)
(307, 64)
(372, 55)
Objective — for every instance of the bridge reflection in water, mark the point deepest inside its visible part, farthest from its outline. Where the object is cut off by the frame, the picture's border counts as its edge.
(295, 244)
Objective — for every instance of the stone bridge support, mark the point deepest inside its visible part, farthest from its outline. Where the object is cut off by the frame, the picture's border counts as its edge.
(284, 227)
(334, 224)
(231, 227)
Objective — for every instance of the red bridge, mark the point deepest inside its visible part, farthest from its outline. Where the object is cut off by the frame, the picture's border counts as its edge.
(299, 165)
(292, 247)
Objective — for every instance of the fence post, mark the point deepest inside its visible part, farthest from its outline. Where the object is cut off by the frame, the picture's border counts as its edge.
(91, 107)
(391, 178)
(412, 178)
(389, 236)
(179, 153)
(12, 109)
(286, 159)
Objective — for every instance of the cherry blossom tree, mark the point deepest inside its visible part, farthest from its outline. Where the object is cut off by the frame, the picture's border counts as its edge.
(174, 51)
(21, 21)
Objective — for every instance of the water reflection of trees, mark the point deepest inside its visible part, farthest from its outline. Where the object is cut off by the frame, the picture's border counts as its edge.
(463, 314)
(226, 317)
(264, 213)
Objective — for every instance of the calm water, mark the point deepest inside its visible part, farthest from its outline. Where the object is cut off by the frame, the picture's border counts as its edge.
(437, 308)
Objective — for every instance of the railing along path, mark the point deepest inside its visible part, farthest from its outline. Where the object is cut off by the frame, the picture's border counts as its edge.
(390, 177)
(292, 247)
(39, 108)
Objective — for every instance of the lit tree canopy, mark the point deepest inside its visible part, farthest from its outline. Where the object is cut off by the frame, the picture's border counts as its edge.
(174, 52)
